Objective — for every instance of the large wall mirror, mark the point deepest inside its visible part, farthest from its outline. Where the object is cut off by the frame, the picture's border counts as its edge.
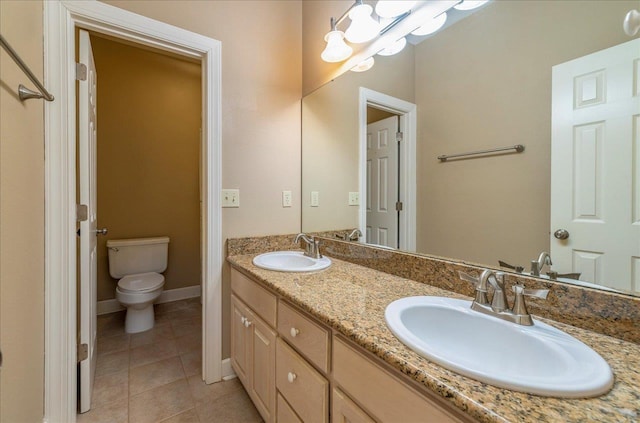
(560, 78)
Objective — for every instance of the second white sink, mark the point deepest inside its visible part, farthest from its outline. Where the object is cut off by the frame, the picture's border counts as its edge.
(290, 261)
(538, 359)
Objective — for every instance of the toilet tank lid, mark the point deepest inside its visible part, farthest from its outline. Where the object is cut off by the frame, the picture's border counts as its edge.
(137, 241)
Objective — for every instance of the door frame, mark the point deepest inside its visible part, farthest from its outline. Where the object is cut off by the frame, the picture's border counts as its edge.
(407, 161)
(61, 17)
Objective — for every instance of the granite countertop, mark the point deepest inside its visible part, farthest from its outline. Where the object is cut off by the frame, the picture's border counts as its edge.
(352, 299)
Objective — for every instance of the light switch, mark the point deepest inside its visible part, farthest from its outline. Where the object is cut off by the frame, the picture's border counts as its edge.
(286, 198)
(230, 198)
(354, 198)
(315, 198)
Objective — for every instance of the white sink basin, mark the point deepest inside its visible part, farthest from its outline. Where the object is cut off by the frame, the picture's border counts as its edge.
(290, 261)
(538, 359)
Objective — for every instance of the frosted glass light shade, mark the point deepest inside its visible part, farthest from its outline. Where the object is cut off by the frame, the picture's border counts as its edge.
(391, 8)
(469, 4)
(363, 66)
(394, 48)
(431, 25)
(363, 27)
(337, 50)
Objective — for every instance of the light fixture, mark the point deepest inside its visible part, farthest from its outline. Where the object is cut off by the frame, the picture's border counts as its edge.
(391, 8)
(337, 50)
(470, 4)
(363, 66)
(363, 27)
(394, 48)
(431, 26)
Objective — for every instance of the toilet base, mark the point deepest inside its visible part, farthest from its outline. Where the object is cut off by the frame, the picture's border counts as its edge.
(139, 320)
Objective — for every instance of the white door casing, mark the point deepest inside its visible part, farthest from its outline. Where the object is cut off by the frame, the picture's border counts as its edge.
(87, 155)
(61, 18)
(382, 182)
(595, 166)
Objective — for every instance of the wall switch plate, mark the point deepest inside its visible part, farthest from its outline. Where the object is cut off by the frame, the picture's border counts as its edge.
(315, 198)
(354, 198)
(286, 198)
(230, 198)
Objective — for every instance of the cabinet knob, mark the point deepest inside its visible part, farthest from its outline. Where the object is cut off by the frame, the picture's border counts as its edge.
(291, 377)
(247, 323)
(243, 319)
(294, 332)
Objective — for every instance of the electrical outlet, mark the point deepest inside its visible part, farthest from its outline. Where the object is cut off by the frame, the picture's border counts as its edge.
(315, 198)
(286, 198)
(354, 198)
(230, 198)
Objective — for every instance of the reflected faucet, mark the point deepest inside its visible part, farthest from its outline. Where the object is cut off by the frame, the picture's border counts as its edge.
(353, 236)
(537, 265)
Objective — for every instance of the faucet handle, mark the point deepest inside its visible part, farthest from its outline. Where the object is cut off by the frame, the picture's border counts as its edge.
(481, 292)
(467, 277)
(520, 307)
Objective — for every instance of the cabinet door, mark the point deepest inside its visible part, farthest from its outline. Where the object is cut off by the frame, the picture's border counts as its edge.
(240, 353)
(263, 365)
(346, 411)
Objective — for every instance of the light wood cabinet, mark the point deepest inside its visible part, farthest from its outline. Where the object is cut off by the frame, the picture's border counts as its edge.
(344, 410)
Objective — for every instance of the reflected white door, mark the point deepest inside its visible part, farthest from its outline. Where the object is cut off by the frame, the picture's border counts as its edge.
(595, 167)
(382, 182)
(88, 244)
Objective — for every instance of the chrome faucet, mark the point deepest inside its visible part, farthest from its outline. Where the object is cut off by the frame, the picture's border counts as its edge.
(499, 306)
(537, 265)
(312, 246)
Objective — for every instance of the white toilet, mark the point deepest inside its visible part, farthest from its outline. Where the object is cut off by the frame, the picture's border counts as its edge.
(138, 263)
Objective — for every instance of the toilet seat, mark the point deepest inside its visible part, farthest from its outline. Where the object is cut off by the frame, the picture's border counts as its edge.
(142, 282)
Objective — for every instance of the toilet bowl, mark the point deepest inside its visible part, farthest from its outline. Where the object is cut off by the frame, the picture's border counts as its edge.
(138, 264)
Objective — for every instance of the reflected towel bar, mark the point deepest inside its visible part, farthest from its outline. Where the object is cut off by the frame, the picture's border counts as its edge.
(519, 148)
(24, 92)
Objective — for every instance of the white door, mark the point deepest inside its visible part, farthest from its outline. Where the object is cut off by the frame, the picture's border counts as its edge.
(382, 182)
(595, 167)
(88, 233)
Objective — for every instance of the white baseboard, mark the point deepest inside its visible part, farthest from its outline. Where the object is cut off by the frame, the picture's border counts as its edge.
(227, 370)
(111, 306)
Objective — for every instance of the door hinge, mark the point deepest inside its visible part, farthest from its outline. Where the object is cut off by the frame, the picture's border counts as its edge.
(399, 136)
(83, 352)
(81, 72)
(82, 212)
(398, 205)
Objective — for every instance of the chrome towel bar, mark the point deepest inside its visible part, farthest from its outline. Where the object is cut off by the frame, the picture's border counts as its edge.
(519, 148)
(23, 92)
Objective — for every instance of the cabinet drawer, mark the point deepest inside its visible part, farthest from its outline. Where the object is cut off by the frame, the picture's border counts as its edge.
(383, 395)
(308, 337)
(285, 413)
(301, 385)
(256, 297)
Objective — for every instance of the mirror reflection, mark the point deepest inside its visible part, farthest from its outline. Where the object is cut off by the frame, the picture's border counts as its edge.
(560, 78)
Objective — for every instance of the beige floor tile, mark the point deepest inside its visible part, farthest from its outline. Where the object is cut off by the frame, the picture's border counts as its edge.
(112, 362)
(151, 353)
(188, 326)
(111, 344)
(110, 388)
(155, 374)
(160, 331)
(192, 363)
(160, 403)
(202, 393)
(114, 412)
(189, 343)
(235, 407)
(189, 416)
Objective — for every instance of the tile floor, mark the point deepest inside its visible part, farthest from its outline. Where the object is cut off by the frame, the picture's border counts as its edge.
(154, 376)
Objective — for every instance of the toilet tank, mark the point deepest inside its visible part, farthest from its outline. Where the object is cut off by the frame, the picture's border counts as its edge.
(139, 255)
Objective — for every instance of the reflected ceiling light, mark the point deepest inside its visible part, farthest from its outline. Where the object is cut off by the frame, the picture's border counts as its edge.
(391, 8)
(363, 66)
(470, 4)
(363, 27)
(431, 26)
(394, 48)
(337, 50)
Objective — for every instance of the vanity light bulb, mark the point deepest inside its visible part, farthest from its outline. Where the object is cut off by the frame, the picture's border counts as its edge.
(391, 8)
(394, 48)
(470, 4)
(337, 50)
(431, 26)
(363, 27)
(363, 66)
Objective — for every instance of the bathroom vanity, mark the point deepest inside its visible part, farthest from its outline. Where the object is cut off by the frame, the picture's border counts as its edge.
(314, 347)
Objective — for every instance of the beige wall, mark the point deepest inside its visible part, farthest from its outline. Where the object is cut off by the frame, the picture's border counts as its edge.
(149, 115)
(21, 220)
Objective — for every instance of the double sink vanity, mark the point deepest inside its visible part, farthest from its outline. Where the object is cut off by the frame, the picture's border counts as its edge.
(325, 339)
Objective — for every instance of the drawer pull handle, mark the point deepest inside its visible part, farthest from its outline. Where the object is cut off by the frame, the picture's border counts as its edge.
(247, 323)
(291, 377)
(294, 332)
